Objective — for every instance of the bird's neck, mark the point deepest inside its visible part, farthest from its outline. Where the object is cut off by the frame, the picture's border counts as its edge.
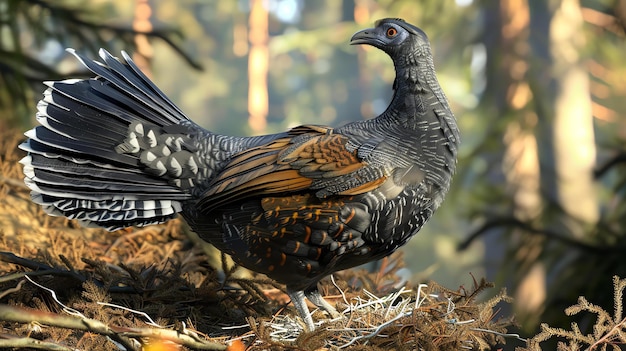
(416, 69)
(418, 99)
(416, 89)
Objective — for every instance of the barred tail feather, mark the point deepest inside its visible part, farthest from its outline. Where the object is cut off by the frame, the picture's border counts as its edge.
(73, 168)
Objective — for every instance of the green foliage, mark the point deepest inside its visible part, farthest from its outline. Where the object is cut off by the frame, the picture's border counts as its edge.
(32, 29)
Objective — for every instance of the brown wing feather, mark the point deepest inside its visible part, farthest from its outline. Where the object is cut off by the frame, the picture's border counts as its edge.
(287, 165)
(322, 156)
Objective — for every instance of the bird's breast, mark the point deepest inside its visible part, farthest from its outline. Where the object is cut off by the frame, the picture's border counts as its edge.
(304, 238)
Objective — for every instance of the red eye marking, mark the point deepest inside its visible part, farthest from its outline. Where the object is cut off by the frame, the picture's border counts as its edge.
(391, 32)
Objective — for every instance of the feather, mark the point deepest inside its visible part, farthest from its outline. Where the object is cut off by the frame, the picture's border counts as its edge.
(73, 167)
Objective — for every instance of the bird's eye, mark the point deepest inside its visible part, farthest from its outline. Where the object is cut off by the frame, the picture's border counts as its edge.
(391, 32)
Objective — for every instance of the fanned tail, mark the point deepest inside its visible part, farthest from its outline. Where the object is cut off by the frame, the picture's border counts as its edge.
(73, 167)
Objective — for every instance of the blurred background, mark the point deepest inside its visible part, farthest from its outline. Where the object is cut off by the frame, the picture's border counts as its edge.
(538, 88)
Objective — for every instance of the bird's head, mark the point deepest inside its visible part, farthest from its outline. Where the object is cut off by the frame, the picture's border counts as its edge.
(393, 36)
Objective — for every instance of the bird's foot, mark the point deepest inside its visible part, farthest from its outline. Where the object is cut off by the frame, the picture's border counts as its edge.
(316, 298)
(297, 297)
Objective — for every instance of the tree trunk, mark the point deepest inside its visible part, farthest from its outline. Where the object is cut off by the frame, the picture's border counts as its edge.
(561, 86)
(142, 23)
(258, 65)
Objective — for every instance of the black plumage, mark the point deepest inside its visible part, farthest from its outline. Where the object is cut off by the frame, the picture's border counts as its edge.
(113, 151)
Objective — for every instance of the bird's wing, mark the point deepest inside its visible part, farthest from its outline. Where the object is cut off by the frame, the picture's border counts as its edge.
(308, 157)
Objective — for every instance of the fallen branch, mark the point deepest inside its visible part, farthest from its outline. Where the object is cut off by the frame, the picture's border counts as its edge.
(121, 335)
(30, 343)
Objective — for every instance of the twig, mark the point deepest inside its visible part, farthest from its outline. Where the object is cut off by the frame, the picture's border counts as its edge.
(30, 343)
(39, 268)
(418, 302)
(505, 335)
(120, 31)
(550, 234)
(21, 315)
(378, 329)
(17, 288)
(615, 160)
(10, 257)
(119, 334)
(616, 330)
(343, 295)
(144, 314)
(67, 309)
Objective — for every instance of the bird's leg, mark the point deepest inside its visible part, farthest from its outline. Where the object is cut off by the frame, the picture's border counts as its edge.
(313, 294)
(297, 297)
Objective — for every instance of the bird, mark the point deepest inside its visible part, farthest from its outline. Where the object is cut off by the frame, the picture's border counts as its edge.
(114, 151)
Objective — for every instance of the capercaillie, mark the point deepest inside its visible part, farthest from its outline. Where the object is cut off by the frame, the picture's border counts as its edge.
(113, 151)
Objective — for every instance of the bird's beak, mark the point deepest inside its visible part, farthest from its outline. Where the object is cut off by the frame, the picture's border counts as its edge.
(366, 36)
